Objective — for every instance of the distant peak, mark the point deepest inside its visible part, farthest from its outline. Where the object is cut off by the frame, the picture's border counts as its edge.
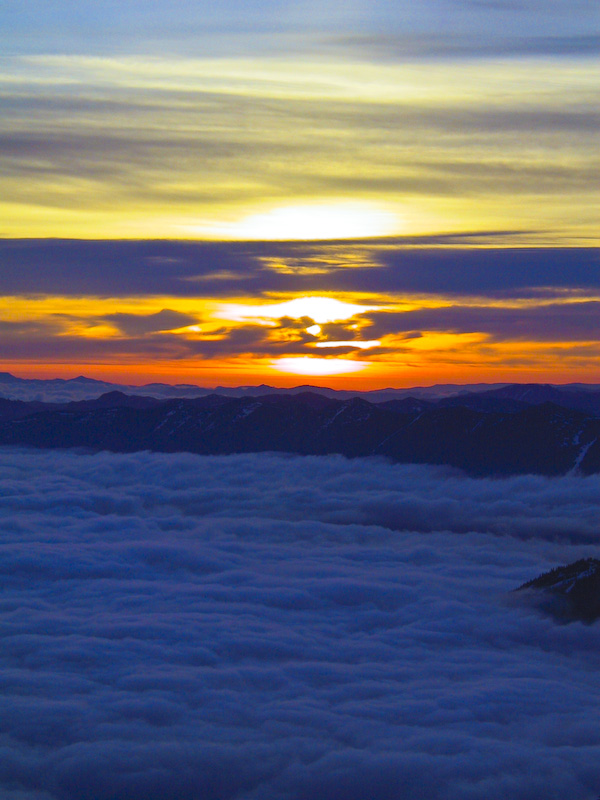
(83, 379)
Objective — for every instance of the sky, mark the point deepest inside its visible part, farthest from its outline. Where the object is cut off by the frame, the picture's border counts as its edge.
(358, 194)
(263, 627)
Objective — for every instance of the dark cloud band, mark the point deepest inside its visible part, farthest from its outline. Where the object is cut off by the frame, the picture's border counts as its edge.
(195, 269)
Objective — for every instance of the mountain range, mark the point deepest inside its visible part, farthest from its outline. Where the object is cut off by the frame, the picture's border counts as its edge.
(62, 390)
(503, 430)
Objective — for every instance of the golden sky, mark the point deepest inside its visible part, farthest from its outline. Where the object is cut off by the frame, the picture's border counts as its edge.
(367, 195)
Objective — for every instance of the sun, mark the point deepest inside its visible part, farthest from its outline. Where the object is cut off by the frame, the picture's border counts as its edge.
(318, 221)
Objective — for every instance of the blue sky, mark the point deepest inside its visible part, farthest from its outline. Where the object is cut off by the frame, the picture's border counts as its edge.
(553, 27)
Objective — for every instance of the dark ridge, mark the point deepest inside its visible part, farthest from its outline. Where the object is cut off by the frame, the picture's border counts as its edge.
(545, 439)
(17, 409)
(585, 400)
(114, 399)
(570, 592)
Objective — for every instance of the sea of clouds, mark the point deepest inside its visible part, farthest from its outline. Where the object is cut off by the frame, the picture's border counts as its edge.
(177, 627)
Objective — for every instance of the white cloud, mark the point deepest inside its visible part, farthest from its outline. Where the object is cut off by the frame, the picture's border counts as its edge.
(261, 626)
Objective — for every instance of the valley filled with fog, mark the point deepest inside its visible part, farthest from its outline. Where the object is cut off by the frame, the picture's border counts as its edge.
(267, 626)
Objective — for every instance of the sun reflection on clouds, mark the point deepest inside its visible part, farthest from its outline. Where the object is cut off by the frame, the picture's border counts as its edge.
(319, 309)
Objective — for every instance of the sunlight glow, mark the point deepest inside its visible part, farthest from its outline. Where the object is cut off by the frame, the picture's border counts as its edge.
(337, 220)
(318, 366)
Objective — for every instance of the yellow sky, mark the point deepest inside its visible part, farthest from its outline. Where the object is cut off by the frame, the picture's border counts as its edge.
(136, 147)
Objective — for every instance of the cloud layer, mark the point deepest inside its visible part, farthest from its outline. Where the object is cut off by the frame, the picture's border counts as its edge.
(250, 627)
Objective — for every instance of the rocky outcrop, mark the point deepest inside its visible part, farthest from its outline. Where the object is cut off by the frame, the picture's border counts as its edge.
(569, 593)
